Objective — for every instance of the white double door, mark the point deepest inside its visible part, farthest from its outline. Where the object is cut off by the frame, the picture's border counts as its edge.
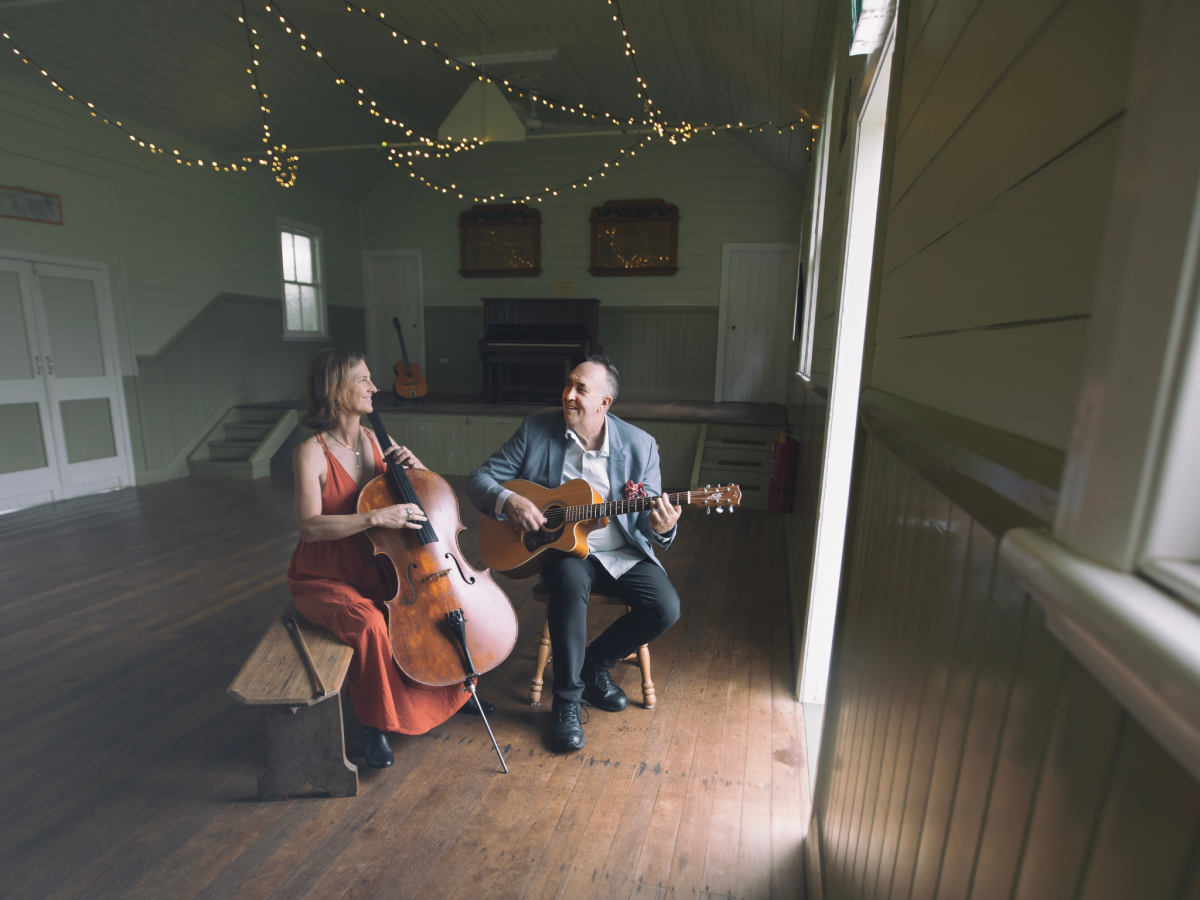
(63, 429)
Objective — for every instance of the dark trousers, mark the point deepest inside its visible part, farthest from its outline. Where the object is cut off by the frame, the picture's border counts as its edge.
(645, 588)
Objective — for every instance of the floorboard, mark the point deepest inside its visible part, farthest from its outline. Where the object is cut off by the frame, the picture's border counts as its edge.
(129, 773)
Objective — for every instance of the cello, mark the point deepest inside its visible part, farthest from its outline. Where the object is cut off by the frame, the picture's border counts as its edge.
(448, 622)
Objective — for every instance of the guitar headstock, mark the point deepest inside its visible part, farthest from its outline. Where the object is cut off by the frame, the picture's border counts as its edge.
(720, 498)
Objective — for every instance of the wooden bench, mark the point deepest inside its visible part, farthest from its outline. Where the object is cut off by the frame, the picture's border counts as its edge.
(305, 737)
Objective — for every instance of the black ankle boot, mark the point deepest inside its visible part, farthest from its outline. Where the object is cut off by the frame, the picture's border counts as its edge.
(471, 707)
(600, 690)
(376, 748)
(566, 733)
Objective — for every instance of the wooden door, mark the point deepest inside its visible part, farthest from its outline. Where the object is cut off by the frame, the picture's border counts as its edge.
(78, 340)
(28, 459)
(393, 287)
(754, 341)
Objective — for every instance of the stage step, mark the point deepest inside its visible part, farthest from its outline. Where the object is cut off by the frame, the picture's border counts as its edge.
(736, 454)
(243, 442)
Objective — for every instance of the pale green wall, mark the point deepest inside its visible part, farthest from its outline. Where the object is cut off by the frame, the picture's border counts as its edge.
(173, 238)
(660, 331)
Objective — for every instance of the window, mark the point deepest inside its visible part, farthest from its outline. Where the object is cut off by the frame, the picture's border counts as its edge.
(811, 272)
(303, 299)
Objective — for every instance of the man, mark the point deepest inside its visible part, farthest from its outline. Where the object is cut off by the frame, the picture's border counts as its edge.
(585, 441)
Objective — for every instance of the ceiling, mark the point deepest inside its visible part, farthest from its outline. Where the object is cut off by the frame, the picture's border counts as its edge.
(178, 68)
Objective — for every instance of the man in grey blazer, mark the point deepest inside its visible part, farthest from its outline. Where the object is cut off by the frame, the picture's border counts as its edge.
(584, 441)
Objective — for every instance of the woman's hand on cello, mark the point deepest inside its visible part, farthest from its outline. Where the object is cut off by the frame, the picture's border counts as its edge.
(402, 515)
(404, 457)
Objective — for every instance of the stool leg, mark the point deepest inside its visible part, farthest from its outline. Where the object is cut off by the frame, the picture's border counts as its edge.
(305, 744)
(648, 698)
(543, 657)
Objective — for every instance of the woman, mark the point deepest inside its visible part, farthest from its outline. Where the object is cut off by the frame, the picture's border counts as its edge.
(333, 581)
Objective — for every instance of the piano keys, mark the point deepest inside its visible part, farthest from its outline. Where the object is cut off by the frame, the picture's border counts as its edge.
(530, 346)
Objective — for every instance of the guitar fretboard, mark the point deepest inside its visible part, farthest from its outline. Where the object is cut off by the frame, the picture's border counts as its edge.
(621, 507)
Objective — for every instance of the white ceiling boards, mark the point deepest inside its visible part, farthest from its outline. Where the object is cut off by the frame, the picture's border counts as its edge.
(178, 68)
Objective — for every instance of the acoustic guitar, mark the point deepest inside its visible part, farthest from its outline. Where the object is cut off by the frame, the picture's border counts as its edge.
(409, 383)
(573, 511)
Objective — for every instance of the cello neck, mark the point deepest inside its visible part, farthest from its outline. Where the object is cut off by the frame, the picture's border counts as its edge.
(400, 480)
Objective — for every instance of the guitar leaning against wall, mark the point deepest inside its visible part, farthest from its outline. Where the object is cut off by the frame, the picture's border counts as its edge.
(409, 385)
(573, 510)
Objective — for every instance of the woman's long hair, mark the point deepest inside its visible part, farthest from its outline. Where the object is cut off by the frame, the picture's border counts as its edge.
(327, 385)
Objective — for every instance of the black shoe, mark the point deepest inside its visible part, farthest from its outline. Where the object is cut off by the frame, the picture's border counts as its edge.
(471, 707)
(376, 748)
(600, 690)
(566, 733)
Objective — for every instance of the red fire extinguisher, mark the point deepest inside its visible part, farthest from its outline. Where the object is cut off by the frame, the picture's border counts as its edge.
(781, 492)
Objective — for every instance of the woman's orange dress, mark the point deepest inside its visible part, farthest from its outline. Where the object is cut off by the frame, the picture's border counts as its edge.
(337, 586)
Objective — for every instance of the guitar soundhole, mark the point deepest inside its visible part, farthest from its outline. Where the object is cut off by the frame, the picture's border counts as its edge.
(556, 523)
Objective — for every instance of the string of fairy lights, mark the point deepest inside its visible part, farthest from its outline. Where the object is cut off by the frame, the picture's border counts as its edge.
(282, 167)
(283, 164)
(180, 158)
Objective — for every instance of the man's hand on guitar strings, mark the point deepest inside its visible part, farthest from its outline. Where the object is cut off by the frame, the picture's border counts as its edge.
(523, 513)
(663, 515)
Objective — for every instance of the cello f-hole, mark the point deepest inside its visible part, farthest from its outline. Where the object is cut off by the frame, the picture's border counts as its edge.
(412, 588)
(458, 565)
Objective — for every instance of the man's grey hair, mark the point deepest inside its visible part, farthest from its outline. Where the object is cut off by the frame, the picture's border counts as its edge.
(614, 377)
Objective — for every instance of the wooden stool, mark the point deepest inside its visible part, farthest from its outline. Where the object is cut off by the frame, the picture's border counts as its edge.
(541, 593)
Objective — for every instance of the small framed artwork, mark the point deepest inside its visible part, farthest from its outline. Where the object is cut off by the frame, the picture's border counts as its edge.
(32, 206)
(635, 237)
(500, 241)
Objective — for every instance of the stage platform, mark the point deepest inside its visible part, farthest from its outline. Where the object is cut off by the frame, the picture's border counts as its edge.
(768, 414)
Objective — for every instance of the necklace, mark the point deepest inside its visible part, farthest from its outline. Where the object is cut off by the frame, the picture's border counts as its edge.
(357, 458)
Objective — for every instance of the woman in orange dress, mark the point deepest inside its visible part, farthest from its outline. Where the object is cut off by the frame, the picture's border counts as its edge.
(333, 582)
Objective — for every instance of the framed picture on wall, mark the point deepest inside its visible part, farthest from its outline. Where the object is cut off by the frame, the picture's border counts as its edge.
(635, 237)
(500, 241)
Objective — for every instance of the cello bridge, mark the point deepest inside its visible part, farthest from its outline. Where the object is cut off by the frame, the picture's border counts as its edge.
(440, 573)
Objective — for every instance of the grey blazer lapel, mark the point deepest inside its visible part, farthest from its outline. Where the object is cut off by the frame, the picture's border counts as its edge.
(618, 471)
(556, 452)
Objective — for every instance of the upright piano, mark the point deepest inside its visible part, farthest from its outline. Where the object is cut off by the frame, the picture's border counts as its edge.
(529, 347)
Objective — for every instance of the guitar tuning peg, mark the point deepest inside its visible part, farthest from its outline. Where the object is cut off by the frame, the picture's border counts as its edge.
(731, 510)
(720, 509)
(707, 486)
(708, 511)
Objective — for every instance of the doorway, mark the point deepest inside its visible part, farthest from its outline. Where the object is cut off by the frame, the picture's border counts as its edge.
(754, 337)
(62, 410)
(393, 288)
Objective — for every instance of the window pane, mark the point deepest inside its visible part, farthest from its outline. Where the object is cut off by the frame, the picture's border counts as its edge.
(291, 303)
(70, 305)
(304, 266)
(87, 429)
(15, 361)
(289, 256)
(308, 308)
(24, 446)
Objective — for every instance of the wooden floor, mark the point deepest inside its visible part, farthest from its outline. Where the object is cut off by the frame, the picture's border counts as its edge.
(128, 773)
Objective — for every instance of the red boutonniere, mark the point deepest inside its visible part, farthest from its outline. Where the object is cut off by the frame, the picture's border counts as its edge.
(634, 490)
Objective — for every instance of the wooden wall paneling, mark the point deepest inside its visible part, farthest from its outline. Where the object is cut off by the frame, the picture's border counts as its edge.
(956, 715)
(940, 33)
(898, 604)
(949, 80)
(919, 650)
(1072, 787)
(1030, 255)
(1022, 380)
(1078, 72)
(1008, 608)
(918, 15)
(840, 712)
(923, 539)
(1146, 838)
(1018, 764)
(863, 624)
